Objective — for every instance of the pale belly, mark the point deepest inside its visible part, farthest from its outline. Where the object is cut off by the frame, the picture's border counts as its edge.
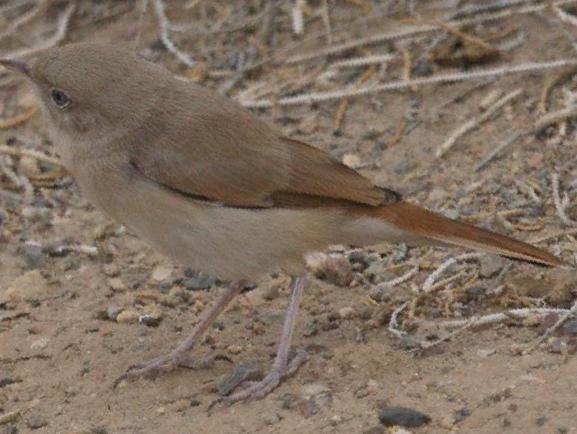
(231, 243)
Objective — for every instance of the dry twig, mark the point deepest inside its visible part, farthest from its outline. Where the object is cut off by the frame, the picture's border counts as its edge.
(476, 122)
(61, 29)
(498, 149)
(561, 203)
(404, 84)
(164, 25)
(566, 315)
(17, 152)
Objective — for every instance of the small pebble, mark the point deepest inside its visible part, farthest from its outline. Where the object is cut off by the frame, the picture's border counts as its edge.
(116, 284)
(289, 401)
(6, 381)
(35, 421)
(272, 290)
(160, 273)
(334, 269)
(112, 312)
(347, 312)
(462, 414)
(199, 281)
(352, 160)
(486, 352)
(274, 419)
(10, 429)
(29, 286)
(402, 416)
(149, 320)
(128, 316)
(490, 266)
(234, 349)
(541, 420)
(311, 328)
(570, 328)
(403, 166)
(360, 260)
(39, 344)
(33, 255)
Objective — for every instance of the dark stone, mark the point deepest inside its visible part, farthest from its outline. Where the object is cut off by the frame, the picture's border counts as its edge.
(570, 327)
(462, 414)
(6, 381)
(249, 371)
(402, 416)
(35, 421)
(33, 255)
(541, 420)
(311, 328)
(149, 320)
(403, 166)
(9, 429)
(359, 258)
(199, 281)
(289, 401)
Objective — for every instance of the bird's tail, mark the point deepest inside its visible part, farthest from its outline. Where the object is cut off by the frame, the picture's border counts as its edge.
(432, 227)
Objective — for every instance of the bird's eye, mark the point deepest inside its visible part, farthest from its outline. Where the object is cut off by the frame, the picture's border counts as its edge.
(60, 98)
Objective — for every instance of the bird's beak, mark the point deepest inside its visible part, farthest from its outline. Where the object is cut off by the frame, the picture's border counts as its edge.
(15, 65)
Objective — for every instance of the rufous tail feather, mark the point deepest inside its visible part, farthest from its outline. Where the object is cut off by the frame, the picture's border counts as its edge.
(434, 227)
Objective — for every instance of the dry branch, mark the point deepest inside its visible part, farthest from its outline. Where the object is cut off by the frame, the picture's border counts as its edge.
(476, 122)
(405, 84)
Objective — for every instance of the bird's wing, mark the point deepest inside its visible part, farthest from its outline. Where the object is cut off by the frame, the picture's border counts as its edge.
(220, 152)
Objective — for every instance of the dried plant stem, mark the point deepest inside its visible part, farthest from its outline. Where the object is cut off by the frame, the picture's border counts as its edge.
(326, 17)
(555, 117)
(474, 40)
(500, 317)
(550, 83)
(498, 149)
(164, 25)
(18, 119)
(298, 21)
(56, 38)
(382, 287)
(476, 122)
(553, 236)
(17, 152)
(566, 315)
(393, 322)
(344, 104)
(26, 18)
(404, 84)
(352, 62)
(141, 15)
(561, 203)
(428, 285)
(413, 31)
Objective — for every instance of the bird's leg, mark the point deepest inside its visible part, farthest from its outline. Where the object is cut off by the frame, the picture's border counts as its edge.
(282, 367)
(179, 356)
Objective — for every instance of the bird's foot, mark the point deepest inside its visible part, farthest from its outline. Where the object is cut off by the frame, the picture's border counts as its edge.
(168, 362)
(260, 389)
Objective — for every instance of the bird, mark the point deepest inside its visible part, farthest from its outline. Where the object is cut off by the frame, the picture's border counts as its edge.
(216, 188)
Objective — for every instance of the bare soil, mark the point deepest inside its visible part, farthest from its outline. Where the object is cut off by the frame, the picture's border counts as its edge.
(70, 270)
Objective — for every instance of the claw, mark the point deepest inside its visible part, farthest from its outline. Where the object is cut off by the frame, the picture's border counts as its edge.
(153, 367)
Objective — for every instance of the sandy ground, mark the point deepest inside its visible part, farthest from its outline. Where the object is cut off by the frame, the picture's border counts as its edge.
(63, 343)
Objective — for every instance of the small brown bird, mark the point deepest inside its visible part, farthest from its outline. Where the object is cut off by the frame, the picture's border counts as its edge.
(214, 187)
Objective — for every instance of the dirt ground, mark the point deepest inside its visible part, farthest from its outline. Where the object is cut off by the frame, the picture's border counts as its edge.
(81, 298)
